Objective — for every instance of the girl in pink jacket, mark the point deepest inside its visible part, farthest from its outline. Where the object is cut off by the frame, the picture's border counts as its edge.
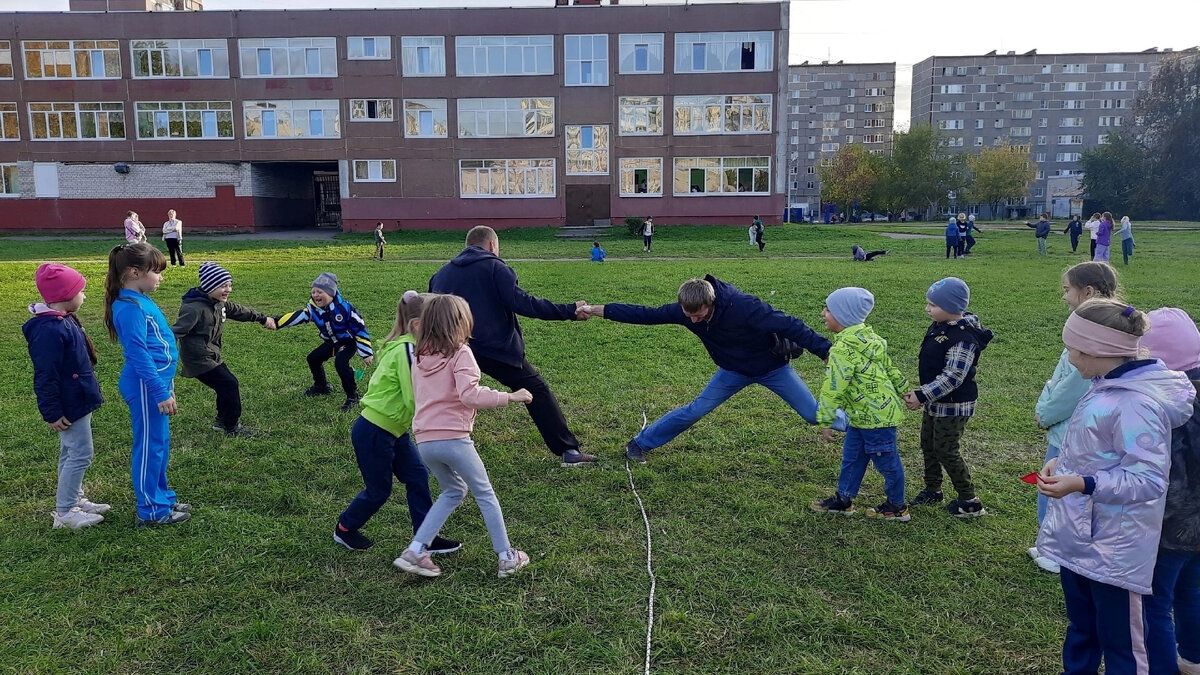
(448, 394)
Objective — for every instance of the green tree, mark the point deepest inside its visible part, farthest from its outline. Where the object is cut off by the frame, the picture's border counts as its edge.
(1169, 113)
(1116, 176)
(920, 172)
(1000, 174)
(852, 175)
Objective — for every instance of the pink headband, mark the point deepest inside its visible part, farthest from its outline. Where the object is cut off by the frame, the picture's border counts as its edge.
(1095, 339)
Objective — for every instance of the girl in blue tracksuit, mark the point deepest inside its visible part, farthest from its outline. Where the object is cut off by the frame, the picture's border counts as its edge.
(148, 378)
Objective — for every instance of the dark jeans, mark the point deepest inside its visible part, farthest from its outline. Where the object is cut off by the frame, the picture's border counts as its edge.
(547, 416)
(229, 397)
(1102, 621)
(1176, 590)
(175, 248)
(1126, 249)
(380, 456)
(872, 254)
(1074, 241)
(951, 247)
(878, 446)
(962, 247)
(939, 447)
(341, 352)
(647, 239)
(758, 239)
(970, 243)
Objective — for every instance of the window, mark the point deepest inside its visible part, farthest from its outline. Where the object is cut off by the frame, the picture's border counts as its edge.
(288, 57)
(1001, 70)
(374, 171)
(6, 69)
(480, 55)
(1071, 122)
(951, 89)
(831, 100)
(1074, 68)
(72, 59)
(506, 178)
(425, 118)
(370, 110)
(292, 119)
(1020, 132)
(1115, 86)
(1041, 140)
(1102, 139)
(9, 186)
(833, 84)
(873, 138)
(1074, 86)
(423, 56)
(953, 106)
(1111, 121)
(875, 92)
(640, 53)
(736, 114)
(978, 124)
(1042, 122)
(1022, 114)
(369, 48)
(180, 58)
(88, 121)
(640, 115)
(1070, 140)
(184, 119)
(1046, 70)
(875, 107)
(1039, 157)
(978, 141)
(998, 124)
(722, 175)
(1072, 105)
(1068, 157)
(9, 129)
(849, 124)
(723, 52)
(505, 117)
(641, 176)
(586, 60)
(950, 124)
(587, 149)
(1023, 96)
(1022, 79)
(850, 107)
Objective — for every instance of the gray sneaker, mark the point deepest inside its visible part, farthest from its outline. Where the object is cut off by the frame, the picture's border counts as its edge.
(510, 566)
(574, 458)
(172, 518)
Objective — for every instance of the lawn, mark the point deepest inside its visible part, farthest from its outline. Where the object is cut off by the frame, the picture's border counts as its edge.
(748, 578)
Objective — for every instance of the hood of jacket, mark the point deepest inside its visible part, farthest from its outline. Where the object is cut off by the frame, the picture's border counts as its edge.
(473, 254)
(196, 295)
(42, 309)
(971, 322)
(1170, 389)
(430, 364)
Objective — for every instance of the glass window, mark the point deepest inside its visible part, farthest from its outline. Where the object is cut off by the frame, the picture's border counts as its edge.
(587, 149)
(71, 59)
(491, 55)
(9, 185)
(723, 52)
(640, 53)
(184, 119)
(506, 178)
(374, 170)
(423, 56)
(505, 117)
(318, 118)
(77, 121)
(9, 126)
(641, 176)
(288, 57)
(370, 110)
(586, 60)
(722, 175)
(6, 69)
(734, 114)
(640, 115)
(369, 48)
(425, 118)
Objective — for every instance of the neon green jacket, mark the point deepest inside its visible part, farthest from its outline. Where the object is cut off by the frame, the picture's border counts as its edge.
(861, 379)
(389, 403)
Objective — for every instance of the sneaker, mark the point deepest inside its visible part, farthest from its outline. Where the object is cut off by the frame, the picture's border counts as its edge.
(1043, 562)
(510, 566)
(835, 504)
(92, 507)
(925, 497)
(350, 404)
(634, 452)
(318, 391)
(351, 539)
(1188, 667)
(966, 508)
(573, 458)
(889, 511)
(181, 507)
(421, 565)
(441, 545)
(172, 518)
(75, 519)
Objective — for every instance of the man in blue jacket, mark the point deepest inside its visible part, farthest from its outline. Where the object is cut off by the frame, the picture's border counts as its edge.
(489, 286)
(743, 335)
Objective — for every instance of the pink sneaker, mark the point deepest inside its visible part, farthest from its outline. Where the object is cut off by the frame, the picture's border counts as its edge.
(421, 565)
(510, 566)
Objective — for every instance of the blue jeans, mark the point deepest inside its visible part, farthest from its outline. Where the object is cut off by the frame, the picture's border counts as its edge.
(380, 456)
(1126, 249)
(1043, 500)
(725, 383)
(863, 446)
(1176, 586)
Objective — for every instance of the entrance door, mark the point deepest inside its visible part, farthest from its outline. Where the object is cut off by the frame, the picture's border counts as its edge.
(328, 192)
(588, 203)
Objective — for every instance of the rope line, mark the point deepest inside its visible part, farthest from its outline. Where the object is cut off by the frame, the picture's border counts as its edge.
(649, 557)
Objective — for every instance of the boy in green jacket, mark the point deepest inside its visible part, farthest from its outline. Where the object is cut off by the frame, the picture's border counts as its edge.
(861, 379)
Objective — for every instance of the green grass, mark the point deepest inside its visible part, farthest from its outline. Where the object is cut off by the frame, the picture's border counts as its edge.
(749, 579)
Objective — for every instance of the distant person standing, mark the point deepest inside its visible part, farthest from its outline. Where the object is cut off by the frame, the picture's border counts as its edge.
(647, 233)
(379, 241)
(1093, 227)
(173, 237)
(1126, 233)
(1074, 228)
(952, 238)
(758, 233)
(135, 232)
(1041, 231)
(963, 230)
(1104, 235)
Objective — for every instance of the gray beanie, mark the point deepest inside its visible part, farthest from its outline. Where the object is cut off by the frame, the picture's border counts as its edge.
(850, 305)
(951, 294)
(327, 281)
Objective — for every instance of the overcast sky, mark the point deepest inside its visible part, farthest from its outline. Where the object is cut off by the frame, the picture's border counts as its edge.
(904, 31)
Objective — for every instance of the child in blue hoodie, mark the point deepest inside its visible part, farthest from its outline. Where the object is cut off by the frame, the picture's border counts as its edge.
(952, 238)
(598, 254)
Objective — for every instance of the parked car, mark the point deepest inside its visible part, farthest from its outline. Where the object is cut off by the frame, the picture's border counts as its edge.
(875, 218)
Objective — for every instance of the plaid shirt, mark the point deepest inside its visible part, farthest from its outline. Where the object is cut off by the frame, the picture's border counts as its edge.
(959, 360)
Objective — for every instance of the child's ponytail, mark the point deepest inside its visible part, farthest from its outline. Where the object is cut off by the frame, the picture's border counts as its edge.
(408, 310)
(121, 258)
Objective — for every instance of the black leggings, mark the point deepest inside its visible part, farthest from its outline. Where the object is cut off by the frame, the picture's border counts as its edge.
(341, 352)
(229, 397)
(175, 248)
(872, 254)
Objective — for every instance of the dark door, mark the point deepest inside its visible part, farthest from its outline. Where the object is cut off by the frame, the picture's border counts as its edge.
(587, 203)
(328, 192)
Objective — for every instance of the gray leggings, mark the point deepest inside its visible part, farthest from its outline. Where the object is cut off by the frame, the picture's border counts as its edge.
(74, 457)
(458, 468)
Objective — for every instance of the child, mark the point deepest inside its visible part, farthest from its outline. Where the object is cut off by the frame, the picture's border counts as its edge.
(963, 230)
(148, 378)
(448, 394)
(757, 224)
(598, 254)
(860, 255)
(948, 360)
(971, 227)
(343, 333)
(1126, 233)
(64, 381)
(381, 441)
(200, 329)
(952, 238)
(1108, 486)
(647, 233)
(379, 241)
(861, 379)
(1093, 228)
(1074, 228)
(172, 234)
(1174, 340)
(1041, 231)
(1104, 234)
(1065, 387)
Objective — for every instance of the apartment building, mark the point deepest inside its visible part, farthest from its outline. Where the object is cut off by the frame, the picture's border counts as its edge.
(427, 118)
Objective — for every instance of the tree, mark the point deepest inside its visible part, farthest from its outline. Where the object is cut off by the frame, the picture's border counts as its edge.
(851, 177)
(1000, 174)
(921, 171)
(1169, 115)
(1116, 176)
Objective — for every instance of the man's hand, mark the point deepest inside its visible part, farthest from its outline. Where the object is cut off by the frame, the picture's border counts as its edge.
(269, 324)
(827, 435)
(911, 400)
(596, 311)
(581, 313)
(60, 424)
(168, 407)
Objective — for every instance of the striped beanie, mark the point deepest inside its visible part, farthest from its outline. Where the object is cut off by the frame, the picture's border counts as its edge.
(213, 276)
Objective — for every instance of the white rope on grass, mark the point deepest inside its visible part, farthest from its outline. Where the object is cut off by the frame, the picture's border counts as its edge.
(649, 556)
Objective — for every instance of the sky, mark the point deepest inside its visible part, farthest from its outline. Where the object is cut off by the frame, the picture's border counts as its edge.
(870, 31)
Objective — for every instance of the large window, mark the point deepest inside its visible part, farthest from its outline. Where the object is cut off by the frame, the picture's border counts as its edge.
(371, 110)
(504, 55)
(641, 176)
(378, 48)
(737, 114)
(6, 69)
(292, 119)
(586, 60)
(68, 121)
(505, 117)
(723, 52)
(587, 149)
(722, 175)
(425, 118)
(180, 58)
(72, 59)
(374, 171)
(9, 129)
(288, 57)
(423, 56)
(640, 53)
(640, 115)
(184, 119)
(9, 187)
(506, 178)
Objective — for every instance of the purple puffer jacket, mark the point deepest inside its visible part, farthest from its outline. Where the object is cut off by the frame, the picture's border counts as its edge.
(1120, 436)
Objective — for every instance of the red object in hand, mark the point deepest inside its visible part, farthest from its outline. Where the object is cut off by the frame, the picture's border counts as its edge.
(1031, 477)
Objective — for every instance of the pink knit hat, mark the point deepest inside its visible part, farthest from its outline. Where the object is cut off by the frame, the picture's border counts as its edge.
(1173, 339)
(58, 283)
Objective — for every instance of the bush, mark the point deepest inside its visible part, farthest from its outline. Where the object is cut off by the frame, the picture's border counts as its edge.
(634, 225)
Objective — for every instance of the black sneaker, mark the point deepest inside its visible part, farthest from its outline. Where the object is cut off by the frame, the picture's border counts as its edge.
(351, 539)
(576, 458)
(925, 497)
(440, 545)
(835, 504)
(350, 404)
(890, 511)
(634, 452)
(966, 508)
(181, 507)
(171, 518)
(318, 391)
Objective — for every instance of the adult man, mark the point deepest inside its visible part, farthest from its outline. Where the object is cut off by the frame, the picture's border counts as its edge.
(489, 286)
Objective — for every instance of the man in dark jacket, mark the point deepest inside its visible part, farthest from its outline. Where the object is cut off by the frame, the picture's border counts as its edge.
(489, 286)
(741, 333)
(1041, 229)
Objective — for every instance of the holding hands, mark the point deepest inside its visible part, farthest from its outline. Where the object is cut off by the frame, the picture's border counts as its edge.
(585, 311)
(269, 324)
(911, 400)
(520, 396)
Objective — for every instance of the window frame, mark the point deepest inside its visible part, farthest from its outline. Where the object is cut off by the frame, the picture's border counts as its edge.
(629, 42)
(74, 49)
(630, 166)
(370, 164)
(597, 74)
(703, 104)
(722, 173)
(6, 59)
(183, 110)
(535, 46)
(547, 166)
(627, 104)
(433, 110)
(297, 111)
(59, 107)
(600, 155)
(686, 56)
(510, 106)
(10, 120)
(366, 106)
(182, 48)
(350, 42)
(294, 49)
(410, 52)
(7, 168)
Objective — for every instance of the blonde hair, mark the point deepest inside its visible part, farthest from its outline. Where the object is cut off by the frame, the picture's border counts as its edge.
(696, 294)
(1116, 315)
(408, 313)
(1100, 276)
(446, 324)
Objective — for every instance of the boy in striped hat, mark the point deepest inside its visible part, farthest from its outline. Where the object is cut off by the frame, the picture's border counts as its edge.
(199, 329)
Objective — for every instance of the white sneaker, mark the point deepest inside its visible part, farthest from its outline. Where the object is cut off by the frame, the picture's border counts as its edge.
(1043, 562)
(1187, 667)
(88, 506)
(75, 519)
(510, 566)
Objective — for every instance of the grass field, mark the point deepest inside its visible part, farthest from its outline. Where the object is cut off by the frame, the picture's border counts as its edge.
(749, 579)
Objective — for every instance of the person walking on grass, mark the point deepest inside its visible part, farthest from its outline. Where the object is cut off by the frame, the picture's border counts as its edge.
(964, 229)
(1075, 229)
(971, 227)
(757, 224)
(64, 381)
(448, 394)
(1104, 233)
(1126, 233)
(952, 238)
(172, 234)
(1041, 231)
(379, 241)
(647, 233)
